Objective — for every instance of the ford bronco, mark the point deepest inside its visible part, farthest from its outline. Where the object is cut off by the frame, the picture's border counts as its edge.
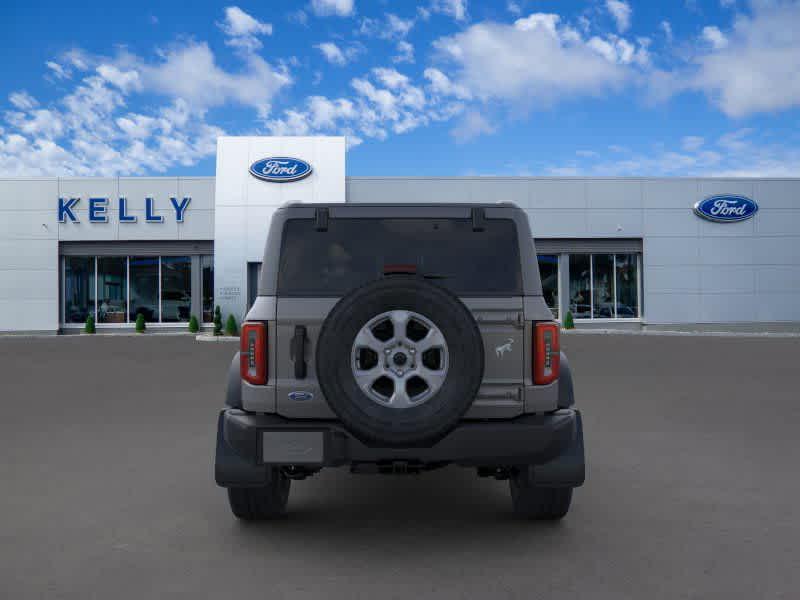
(396, 338)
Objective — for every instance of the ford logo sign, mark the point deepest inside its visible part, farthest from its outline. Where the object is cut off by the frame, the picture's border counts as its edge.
(280, 169)
(300, 396)
(726, 209)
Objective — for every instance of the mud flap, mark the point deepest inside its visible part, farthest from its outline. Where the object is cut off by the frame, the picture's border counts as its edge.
(568, 469)
(230, 469)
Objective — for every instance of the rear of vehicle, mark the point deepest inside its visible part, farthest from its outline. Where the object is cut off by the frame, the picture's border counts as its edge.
(400, 338)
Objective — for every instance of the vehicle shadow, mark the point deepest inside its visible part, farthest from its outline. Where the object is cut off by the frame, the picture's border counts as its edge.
(445, 511)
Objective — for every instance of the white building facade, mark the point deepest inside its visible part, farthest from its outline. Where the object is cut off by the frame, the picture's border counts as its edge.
(630, 252)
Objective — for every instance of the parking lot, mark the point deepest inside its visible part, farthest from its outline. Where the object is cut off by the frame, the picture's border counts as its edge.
(692, 490)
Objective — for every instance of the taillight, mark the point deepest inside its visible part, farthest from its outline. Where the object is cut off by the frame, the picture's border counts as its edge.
(253, 353)
(546, 352)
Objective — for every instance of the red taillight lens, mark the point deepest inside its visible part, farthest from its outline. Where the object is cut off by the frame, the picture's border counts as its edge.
(253, 353)
(546, 353)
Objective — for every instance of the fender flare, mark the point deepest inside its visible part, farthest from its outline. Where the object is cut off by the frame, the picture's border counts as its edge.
(233, 393)
(566, 391)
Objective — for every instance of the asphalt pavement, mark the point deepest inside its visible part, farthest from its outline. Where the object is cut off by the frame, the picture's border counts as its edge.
(106, 486)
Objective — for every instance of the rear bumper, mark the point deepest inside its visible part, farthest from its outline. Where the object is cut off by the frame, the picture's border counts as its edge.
(248, 443)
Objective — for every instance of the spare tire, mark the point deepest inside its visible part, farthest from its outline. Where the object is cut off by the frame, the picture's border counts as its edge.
(400, 361)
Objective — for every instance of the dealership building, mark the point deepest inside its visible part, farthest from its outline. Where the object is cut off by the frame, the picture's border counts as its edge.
(615, 252)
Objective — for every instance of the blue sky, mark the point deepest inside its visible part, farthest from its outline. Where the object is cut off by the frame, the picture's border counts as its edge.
(437, 87)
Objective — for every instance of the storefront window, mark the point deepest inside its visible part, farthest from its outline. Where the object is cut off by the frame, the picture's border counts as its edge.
(603, 286)
(548, 271)
(207, 267)
(627, 286)
(78, 288)
(580, 294)
(112, 278)
(176, 289)
(144, 288)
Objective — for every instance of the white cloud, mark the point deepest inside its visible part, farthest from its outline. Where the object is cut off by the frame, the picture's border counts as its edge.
(621, 11)
(405, 53)
(385, 101)
(453, 8)
(715, 37)
(58, 70)
(243, 29)
(472, 124)
(758, 70)
(514, 8)
(735, 154)
(692, 143)
(22, 100)
(536, 60)
(336, 55)
(666, 27)
(441, 84)
(398, 27)
(91, 130)
(339, 8)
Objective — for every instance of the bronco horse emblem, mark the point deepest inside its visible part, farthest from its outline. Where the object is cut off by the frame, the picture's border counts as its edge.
(502, 349)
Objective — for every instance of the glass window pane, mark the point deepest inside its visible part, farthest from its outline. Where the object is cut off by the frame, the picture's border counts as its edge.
(78, 288)
(354, 251)
(627, 286)
(207, 265)
(176, 288)
(112, 290)
(144, 288)
(548, 271)
(579, 286)
(603, 285)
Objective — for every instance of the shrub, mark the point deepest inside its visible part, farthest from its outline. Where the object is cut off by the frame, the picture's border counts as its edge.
(89, 327)
(569, 322)
(217, 321)
(230, 326)
(193, 325)
(140, 324)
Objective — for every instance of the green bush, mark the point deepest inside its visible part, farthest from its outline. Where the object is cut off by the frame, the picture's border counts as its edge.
(217, 321)
(194, 327)
(140, 324)
(230, 326)
(89, 327)
(569, 322)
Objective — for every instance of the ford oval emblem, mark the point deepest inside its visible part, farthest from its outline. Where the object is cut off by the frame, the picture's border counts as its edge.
(726, 209)
(300, 396)
(280, 169)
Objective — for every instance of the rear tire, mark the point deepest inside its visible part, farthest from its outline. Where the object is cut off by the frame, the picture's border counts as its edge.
(261, 503)
(538, 503)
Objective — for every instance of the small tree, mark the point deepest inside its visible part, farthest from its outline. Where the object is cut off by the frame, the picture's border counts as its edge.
(140, 325)
(89, 327)
(569, 322)
(230, 326)
(217, 321)
(193, 325)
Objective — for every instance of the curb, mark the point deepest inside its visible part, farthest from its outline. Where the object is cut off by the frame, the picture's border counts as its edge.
(669, 333)
(216, 338)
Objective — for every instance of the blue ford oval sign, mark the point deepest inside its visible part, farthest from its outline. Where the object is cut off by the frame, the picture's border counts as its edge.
(725, 208)
(280, 169)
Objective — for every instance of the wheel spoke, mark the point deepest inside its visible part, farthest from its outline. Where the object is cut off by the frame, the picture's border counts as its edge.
(366, 379)
(366, 339)
(400, 397)
(434, 379)
(399, 323)
(434, 339)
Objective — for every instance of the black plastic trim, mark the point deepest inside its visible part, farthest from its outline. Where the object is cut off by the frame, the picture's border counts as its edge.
(530, 439)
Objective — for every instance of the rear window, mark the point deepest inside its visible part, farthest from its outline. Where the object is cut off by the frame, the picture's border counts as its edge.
(353, 252)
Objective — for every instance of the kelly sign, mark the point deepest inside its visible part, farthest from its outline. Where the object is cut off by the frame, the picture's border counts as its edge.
(98, 210)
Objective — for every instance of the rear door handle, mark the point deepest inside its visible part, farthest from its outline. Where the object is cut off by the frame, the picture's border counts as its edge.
(298, 351)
